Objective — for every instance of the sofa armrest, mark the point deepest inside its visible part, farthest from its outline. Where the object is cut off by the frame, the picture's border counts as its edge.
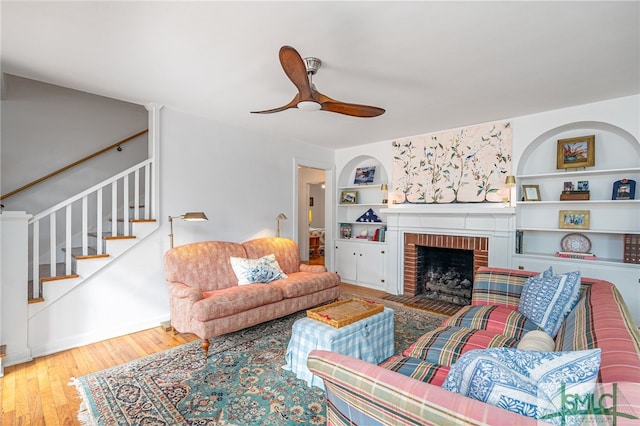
(312, 268)
(367, 393)
(183, 291)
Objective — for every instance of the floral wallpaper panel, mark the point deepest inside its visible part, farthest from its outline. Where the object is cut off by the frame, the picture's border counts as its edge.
(466, 165)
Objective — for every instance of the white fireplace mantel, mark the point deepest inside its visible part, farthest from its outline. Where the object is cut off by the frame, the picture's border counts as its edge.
(495, 221)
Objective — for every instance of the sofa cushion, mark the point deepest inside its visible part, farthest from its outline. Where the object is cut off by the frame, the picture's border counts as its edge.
(302, 283)
(204, 265)
(229, 301)
(547, 300)
(498, 286)
(418, 369)
(525, 382)
(262, 270)
(492, 318)
(285, 250)
(445, 345)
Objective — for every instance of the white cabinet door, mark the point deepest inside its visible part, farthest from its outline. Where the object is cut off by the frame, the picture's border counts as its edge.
(346, 260)
(371, 260)
(361, 263)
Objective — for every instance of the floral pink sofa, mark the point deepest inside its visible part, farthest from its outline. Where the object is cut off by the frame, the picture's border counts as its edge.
(408, 389)
(206, 299)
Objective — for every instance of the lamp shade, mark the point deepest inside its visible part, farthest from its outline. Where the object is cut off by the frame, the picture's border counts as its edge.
(194, 216)
(510, 180)
(384, 187)
(281, 216)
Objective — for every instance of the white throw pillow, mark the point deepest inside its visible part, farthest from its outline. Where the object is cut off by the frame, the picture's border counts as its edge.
(263, 270)
(537, 340)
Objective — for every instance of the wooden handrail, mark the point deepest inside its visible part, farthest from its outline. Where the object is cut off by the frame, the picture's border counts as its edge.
(75, 163)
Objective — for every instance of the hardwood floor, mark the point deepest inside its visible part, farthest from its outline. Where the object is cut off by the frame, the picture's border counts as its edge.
(38, 392)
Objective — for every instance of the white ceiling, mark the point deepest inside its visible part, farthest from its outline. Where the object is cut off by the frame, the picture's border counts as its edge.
(431, 65)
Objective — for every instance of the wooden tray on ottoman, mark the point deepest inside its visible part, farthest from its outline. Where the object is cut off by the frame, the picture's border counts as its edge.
(344, 312)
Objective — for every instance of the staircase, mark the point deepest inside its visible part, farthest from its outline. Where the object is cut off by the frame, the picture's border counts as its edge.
(76, 238)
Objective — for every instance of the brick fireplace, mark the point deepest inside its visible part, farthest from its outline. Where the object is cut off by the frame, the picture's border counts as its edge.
(485, 229)
(477, 246)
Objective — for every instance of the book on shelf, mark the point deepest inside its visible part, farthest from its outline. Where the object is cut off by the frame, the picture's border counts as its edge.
(631, 248)
(519, 238)
(574, 255)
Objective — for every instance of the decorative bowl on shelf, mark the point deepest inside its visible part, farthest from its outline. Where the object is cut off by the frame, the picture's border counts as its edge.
(576, 243)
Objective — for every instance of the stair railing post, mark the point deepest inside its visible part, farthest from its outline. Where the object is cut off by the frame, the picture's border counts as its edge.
(154, 153)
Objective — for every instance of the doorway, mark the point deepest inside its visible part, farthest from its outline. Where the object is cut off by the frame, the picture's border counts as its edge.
(312, 214)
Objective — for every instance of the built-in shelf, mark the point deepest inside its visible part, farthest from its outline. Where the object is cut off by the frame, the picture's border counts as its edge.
(361, 240)
(581, 231)
(362, 205)
(365, 223)
(358, 187)
(581, 173)
(584, 202)
(597, 261)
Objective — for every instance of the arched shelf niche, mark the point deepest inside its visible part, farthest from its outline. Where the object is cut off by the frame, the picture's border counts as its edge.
(347, 174)
(615, 148)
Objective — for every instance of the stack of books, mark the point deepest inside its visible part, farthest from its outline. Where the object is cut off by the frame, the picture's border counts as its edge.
(379, 234)
(573, 255)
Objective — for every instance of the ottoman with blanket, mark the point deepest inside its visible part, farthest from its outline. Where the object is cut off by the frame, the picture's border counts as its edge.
(525, 335)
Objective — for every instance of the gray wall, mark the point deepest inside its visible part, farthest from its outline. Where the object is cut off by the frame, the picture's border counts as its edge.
(46, 127)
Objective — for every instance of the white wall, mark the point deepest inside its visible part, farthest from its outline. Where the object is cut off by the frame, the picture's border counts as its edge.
(241, 180)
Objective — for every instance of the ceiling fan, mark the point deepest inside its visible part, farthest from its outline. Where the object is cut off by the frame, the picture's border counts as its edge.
(300, 72)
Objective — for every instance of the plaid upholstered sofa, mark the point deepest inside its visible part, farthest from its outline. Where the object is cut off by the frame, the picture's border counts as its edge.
(406, 389)
(205, 296)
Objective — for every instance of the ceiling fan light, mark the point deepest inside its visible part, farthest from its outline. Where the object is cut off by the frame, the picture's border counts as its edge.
(309, 106)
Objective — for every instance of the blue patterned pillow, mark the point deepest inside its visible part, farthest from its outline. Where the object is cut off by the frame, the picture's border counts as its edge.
(547, 299)
(529, 383)
(263, 270)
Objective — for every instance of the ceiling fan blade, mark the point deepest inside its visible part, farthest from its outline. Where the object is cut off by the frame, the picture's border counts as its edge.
(295, 68)
(354, 110)
(292, 104)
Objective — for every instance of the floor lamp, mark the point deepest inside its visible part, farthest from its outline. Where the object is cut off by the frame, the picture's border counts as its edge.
(280, 217)
(189, 217)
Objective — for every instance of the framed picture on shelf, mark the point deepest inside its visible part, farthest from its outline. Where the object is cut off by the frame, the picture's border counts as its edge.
(576, 152)
(574, 219)
(345, 231)
(364, 175)
(531, 192)
(568, 186)
(624, 189)
(583, 185)
(349, 197)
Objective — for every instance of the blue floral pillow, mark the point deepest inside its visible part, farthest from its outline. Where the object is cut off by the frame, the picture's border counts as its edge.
(529, 383)
(547, 299)
(263, 270)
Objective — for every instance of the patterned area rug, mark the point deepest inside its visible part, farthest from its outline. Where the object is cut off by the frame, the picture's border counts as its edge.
(241, 383)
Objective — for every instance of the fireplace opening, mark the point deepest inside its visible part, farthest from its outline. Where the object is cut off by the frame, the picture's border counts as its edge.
(445, 274)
